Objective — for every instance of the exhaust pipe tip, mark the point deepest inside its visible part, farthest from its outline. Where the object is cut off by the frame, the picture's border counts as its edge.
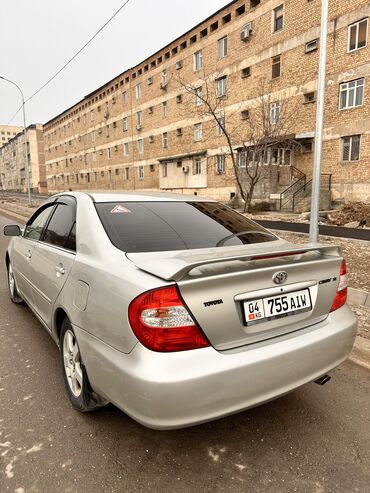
(323, 380)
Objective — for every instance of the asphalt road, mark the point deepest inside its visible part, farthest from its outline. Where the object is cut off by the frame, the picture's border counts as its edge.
(314, 440)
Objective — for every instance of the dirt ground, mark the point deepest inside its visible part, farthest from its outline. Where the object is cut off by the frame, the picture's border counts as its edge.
(357, 255)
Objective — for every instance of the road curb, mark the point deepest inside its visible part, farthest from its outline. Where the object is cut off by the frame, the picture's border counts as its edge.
(14, 215)
(361, 353)
(358, 297)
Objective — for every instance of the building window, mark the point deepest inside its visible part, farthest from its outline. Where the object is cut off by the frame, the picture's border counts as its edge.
(94, 156)
(222, 47)
(197, 168)
(141, 172)
(278, 18)
(165, 140)
(138, 90)
(198, 131)
(139, 116)
(310, 97)
(274, 112)
(164, 109)
(127, 173)
(246, 72)
(351, 94)
(164, 170)
(126, 148)
(198, 96)
(109, 153)
(351, 148)
(276, 66)
(125, 124)
(357, 35)
(124, 98)
(307, 147)
(140, 146)
(220, 125)
(116, 171)
(220, 164)
(198, 60)
(312, 46)
(221, 87)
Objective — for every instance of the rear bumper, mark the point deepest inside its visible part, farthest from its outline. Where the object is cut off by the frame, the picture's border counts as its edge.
(174, 390)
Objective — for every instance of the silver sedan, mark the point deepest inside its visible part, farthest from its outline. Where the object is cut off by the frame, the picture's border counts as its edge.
(176, 309)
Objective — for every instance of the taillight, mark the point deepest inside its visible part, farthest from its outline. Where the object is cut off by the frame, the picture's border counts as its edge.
(162, 322)
(341, 294)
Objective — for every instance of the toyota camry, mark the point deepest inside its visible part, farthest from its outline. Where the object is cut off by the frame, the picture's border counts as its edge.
(177, 309)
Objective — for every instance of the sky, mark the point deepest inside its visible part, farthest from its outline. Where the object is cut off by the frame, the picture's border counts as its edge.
(38, 36)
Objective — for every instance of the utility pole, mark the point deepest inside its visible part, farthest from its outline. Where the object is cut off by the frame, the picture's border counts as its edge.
(26, 161)
(316, 175)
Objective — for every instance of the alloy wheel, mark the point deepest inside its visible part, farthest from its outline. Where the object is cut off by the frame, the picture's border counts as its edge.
(72, 363)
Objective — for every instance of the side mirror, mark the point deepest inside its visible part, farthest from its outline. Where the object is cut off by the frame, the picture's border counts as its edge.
(12, 230)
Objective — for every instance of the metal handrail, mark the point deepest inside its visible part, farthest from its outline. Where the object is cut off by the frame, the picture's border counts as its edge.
(282, 194)
(308, 184)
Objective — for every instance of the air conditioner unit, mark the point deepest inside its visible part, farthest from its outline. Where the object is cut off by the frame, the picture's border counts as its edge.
(149, 81)
(246, 33)
(179, 132)
(138, 126)
(150, 110)
(178, 65)
(185, 169)
(244, 36)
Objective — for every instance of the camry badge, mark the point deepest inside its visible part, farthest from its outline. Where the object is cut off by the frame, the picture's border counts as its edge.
(280, 277)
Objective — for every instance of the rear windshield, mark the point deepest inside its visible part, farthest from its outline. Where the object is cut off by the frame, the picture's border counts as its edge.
(164, 226)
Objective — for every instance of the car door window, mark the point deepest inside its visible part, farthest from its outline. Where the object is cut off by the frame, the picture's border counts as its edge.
(36, 224)
(61, 230)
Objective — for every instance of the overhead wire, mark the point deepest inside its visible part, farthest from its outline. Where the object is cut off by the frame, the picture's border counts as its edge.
(71, 59)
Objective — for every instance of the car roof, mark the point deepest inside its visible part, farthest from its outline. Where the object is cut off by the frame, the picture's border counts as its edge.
(137, 196)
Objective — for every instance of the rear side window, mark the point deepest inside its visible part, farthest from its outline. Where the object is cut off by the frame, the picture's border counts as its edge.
(61, 230)
(165, 226)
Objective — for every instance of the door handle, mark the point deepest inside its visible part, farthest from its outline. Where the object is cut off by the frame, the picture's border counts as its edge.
(59, 269)
(28, 255)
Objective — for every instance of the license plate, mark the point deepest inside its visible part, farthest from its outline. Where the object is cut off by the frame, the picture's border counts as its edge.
(256, 311)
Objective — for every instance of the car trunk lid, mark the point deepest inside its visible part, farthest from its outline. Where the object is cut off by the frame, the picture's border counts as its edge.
(219, 284)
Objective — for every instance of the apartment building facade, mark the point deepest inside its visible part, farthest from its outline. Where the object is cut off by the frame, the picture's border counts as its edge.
(13, 169)
(7, 132)
(144, 130)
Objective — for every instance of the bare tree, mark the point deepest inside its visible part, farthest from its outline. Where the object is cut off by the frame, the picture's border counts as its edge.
(257, 132)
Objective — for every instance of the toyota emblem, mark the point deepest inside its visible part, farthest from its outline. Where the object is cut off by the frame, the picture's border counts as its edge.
(280, 277)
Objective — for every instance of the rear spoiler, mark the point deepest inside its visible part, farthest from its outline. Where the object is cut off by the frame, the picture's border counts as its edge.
(174, 266)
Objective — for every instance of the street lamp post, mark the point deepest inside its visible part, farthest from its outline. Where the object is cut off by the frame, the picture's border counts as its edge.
(315, 199)
(26, 161)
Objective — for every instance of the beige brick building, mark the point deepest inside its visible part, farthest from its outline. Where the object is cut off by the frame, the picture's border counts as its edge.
(13, 174)
(7, 132)
(141, 130)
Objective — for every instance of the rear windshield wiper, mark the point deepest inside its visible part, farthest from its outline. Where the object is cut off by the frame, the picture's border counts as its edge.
(249, 232)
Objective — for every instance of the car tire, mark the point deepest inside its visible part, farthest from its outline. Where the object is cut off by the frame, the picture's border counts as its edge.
(12, 286)
(76, 381)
